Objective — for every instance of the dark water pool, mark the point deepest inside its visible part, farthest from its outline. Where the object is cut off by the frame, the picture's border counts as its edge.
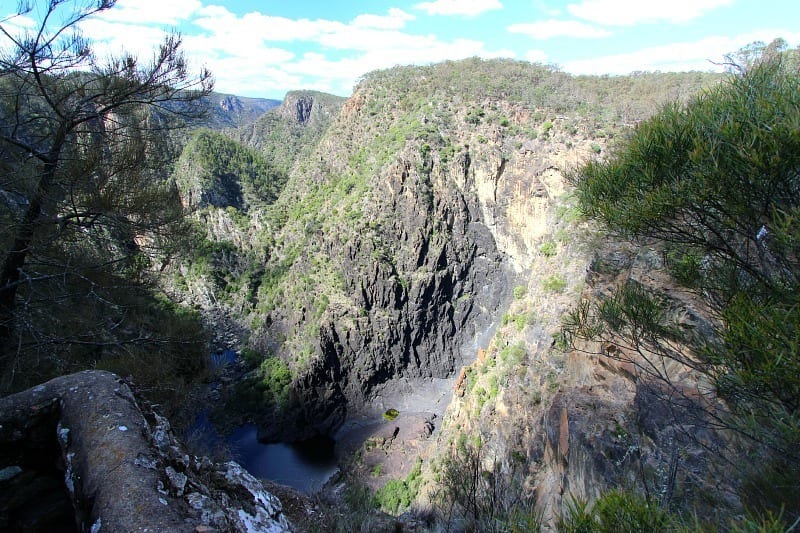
(306, 466)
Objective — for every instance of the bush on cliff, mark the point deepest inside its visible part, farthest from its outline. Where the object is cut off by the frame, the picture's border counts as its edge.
(718, 180)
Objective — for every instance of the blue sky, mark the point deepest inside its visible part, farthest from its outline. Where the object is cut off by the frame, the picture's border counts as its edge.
(264, 48)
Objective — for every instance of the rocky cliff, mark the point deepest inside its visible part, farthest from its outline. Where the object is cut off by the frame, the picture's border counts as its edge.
(407, 213)
(424, 221)
(559, 424)
(231, 111)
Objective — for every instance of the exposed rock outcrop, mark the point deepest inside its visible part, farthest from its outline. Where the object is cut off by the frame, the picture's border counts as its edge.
(596, 418)
(390, 259)
(230, 111)
(122, 468)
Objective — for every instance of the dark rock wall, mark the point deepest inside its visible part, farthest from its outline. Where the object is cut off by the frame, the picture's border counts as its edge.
(420, 284)
(422, 306)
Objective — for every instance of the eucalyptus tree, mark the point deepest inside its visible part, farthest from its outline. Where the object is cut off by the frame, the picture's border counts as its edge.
(85, 199)
(718, 181)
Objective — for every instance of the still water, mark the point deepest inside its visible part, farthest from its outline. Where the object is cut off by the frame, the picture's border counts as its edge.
(306, 466)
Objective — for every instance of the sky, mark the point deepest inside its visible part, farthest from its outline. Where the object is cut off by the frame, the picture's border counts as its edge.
(268, 47)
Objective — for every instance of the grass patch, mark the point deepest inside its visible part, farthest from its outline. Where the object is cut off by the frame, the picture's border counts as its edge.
(554, 283)
(548, 249)
(520, 291)
(399, 493)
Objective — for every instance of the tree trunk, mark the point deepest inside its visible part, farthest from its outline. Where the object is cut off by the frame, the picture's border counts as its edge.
(16, 256)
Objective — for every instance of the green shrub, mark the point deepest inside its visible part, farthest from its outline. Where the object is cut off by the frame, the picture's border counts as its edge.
(562, 236)
(475, 115)
(548, 248)
(252, 357)
(554, 283)
(613, 512)
(626, 511)
(513, 354)
(520, 291)
(276, 378)
(717, 180)
(392, 496)
(523, 319)
(398, 494)
(391, 414)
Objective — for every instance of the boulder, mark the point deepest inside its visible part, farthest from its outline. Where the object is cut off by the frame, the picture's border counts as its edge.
(121, 467)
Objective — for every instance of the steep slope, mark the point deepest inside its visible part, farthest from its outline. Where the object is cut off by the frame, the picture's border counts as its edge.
(290, 132)
(402, 225)
(556, 423)
(423, 223)
(231, 185)
(214, 170)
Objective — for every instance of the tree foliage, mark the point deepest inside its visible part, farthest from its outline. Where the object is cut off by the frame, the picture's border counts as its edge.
(613, 511)
(86, 203)
(718, 180)
(484, 492)
(226, 169)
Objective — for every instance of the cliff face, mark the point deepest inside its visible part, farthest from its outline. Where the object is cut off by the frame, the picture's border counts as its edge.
(398, 238)
(426, 220)
(575, 423)
(288, 133)
(394, 273)
(230, 111)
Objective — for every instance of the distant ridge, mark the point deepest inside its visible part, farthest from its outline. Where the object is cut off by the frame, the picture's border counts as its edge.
(231, 111)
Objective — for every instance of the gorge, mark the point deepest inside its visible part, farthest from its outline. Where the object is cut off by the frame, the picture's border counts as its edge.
(421, 224)
(396, 271)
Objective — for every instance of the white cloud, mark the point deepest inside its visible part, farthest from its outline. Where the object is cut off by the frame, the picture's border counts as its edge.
(395, 20)
(536, 56)
(15, 25)
(249, 76)
(341, 74)
(244, 46)
(697, 55)
(163, 12)
(629, 12)
(365, 40)
(113, 38)
(222, 24)
(459, 7)
(16, 21)
(558, 28)
(238, 47)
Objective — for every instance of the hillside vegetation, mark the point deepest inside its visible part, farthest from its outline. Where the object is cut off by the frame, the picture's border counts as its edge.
(594, 278)
(717, 181)
(407, 213)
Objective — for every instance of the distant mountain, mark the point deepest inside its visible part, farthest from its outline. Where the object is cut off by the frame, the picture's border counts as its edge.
(287, 134)
(231, 111)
